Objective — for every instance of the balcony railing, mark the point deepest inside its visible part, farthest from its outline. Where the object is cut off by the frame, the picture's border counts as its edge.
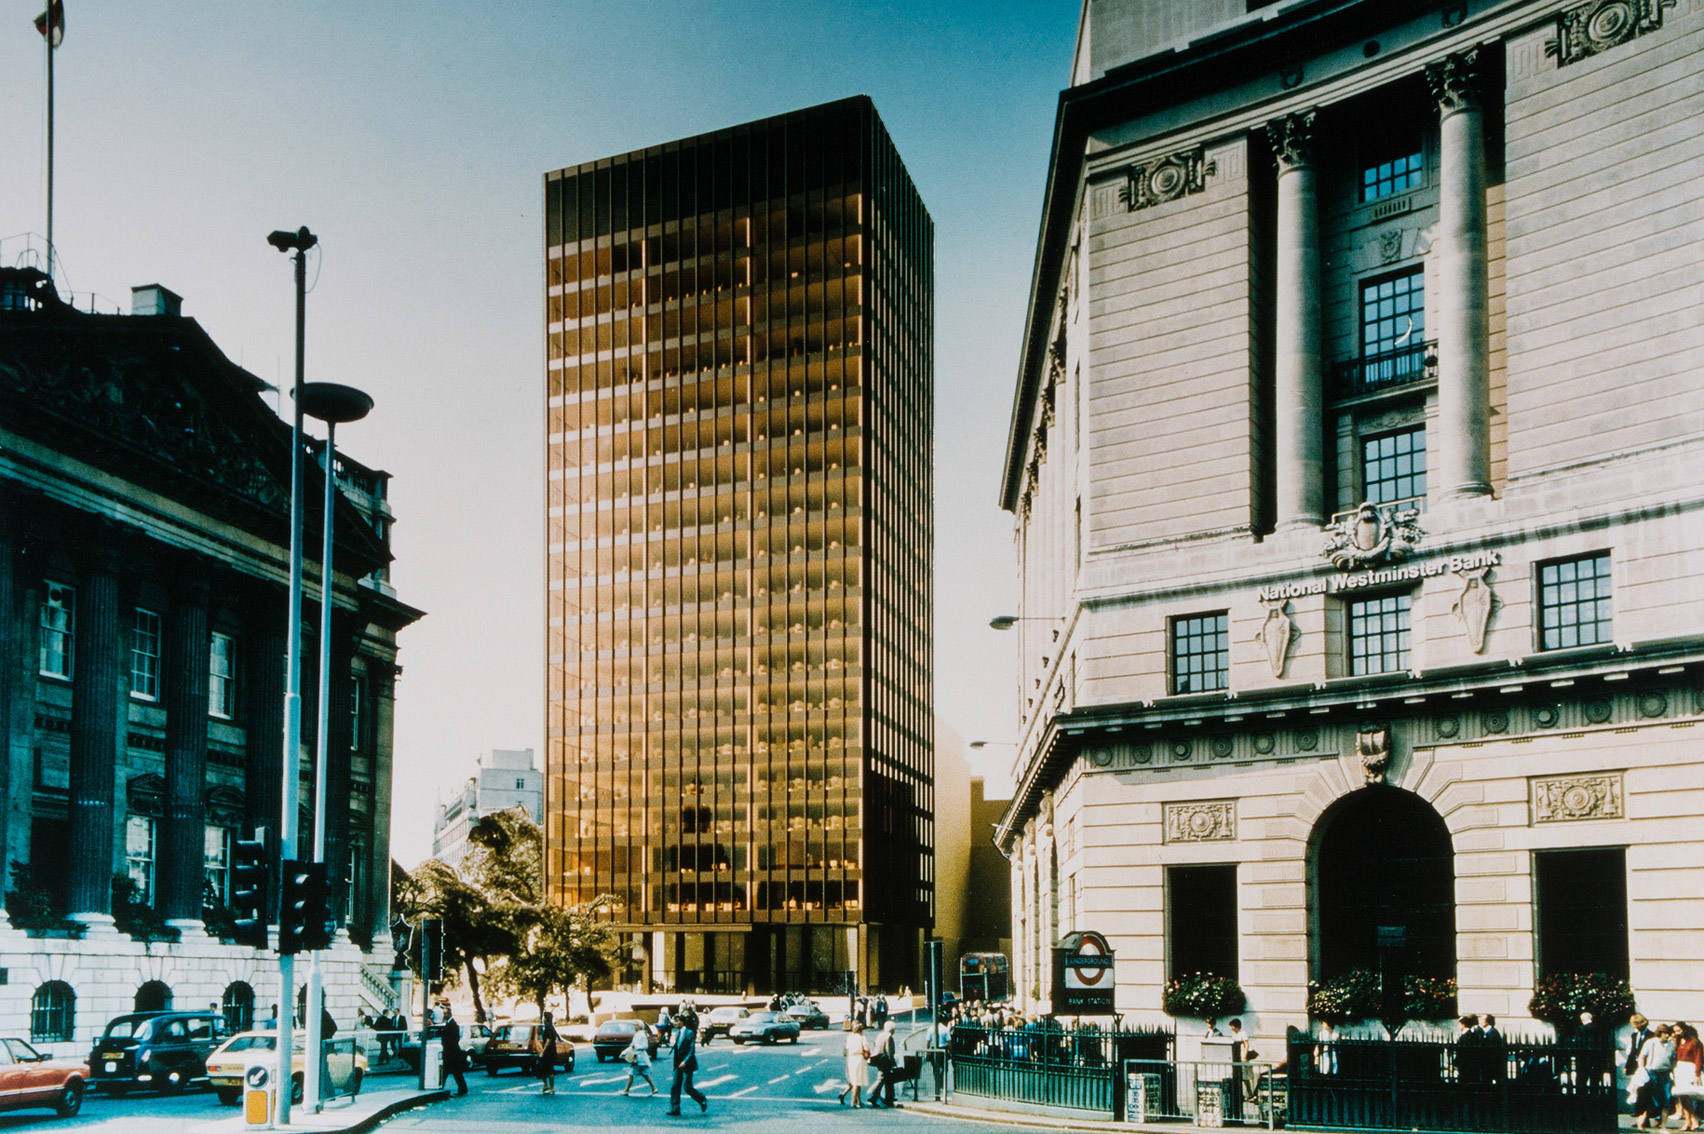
(1387, 370)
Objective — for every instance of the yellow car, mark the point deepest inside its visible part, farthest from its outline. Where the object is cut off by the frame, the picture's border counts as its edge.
(225, 1066)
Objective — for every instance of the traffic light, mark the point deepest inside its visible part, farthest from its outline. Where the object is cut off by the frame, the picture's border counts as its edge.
(433, 928)
(251, 878)
(301, 907)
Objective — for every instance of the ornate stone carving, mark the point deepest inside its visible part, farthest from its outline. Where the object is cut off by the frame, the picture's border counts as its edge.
(1563, 799)
(1165, 179)
(1390, 246)
(1265, 743)
(1454, 80)
(1652, 705)
(1495, 722)
(1587, 29)
(1277, 633)
(1473, 605)
(1222, 747)
(1372, 745)
(1369, 536)
(1212, 821)
(1291, 139)
(1446, 727)
(1307, 740)
(1598, 711)
(1180, 750)
(1547, 716)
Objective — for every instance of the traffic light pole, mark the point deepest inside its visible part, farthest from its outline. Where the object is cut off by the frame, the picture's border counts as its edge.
(299, 242)
(311, 1086)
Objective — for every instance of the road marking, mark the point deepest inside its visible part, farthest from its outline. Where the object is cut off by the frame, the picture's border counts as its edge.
(747, 1091)
(593, 1079)
(806, 1070)
(716, 1082)
(779, 1079)
(824, 1088)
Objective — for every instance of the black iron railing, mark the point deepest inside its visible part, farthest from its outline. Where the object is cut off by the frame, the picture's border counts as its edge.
(1048, 1065)
(1519, 1085)
(1417, 362)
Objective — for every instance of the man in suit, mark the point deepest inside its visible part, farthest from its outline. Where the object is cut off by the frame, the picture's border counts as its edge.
(1495, 1053)
(685, 1063)
(455, 1059)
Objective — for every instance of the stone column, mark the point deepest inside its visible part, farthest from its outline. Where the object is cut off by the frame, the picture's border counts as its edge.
(1464, 447)
(98, 708)
(1299, 390)
(181, 840)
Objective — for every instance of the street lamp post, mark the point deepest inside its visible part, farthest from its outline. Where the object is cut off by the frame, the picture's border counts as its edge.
(331, 403)
(298, 243)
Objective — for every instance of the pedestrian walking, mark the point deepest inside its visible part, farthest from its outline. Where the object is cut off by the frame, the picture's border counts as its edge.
(857, 1065)
(1656, 1060)
(1325, 1050)
(1688, 1087)
(638, 1059)
(455, 1059)
(883, 1057)
(685, 1063)
(545, 1067)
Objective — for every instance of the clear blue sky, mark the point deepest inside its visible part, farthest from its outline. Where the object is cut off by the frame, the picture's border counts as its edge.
(412, 137)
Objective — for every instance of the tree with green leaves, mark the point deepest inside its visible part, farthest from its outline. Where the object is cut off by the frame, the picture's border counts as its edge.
(475, 928)
(559, 948)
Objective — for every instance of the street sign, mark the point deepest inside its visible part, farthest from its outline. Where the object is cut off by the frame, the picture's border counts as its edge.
(1084, 975)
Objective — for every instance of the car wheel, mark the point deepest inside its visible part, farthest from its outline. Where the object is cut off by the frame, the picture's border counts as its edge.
(228, 1096)
(70, 1099)
(795, 1039)
(568, 1064)
(173, 1082)
(739, 1043)
(769, 1039)
(490, 1068)
(295, 1088)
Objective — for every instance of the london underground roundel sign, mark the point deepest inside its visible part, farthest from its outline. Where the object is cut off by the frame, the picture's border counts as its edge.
(1083, 975)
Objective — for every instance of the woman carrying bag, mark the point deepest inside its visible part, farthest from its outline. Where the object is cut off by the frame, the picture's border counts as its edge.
(857, 1066)
(638, 1059)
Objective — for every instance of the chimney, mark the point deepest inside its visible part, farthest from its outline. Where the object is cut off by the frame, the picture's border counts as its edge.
(152, 299)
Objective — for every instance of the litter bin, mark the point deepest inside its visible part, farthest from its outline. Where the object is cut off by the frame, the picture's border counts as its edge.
(260, 1092)
(432, 1065)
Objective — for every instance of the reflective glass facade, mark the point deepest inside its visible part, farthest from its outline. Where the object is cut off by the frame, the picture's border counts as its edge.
(739, 399)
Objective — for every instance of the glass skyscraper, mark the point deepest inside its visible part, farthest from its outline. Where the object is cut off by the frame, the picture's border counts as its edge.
(739, 690)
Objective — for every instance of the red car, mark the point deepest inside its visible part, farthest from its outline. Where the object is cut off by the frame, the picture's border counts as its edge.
(30, 1079)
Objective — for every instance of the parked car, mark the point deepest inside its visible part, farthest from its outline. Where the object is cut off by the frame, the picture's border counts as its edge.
(518, 1045)
(226, 1064)
(29, 1078)
(613, 1036)
(164, 1051)
(808, 1016)
(765, 1027)
(720, 1020)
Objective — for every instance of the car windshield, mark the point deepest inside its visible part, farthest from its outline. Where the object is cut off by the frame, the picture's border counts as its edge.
(248, 1043)
(627, 1027)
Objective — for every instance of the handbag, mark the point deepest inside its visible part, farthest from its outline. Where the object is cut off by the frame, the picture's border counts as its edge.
(630, 1056)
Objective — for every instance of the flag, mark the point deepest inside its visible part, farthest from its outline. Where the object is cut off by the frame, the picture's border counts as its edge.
(56, 13)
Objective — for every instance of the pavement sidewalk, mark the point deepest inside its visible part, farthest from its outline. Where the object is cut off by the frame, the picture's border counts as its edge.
(342, 1116)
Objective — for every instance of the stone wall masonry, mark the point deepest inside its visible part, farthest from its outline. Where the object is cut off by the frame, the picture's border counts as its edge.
(1149, 425)
(1604, 218)
(105, 970)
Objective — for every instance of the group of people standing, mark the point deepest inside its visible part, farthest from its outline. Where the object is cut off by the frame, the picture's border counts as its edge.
(1665, 1065)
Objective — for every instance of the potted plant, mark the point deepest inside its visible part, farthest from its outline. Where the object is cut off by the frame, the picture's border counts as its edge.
(1559, 999)
(1202, 994)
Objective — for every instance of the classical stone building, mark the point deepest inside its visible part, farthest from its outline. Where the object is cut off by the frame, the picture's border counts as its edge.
(739, 705)
(1356, 461)
(144, 554)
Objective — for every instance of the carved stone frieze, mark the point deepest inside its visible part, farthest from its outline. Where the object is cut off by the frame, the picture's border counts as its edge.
(1292, 138)
(1372, 745)
(1564, 799)
(1474, 603)
(1587, 29)
(1277, 634)
(1209, 821)
(1163, 179)
(1369, 536)
(1454, 80)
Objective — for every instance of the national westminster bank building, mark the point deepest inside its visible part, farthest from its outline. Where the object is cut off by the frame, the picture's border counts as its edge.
(1356, 465)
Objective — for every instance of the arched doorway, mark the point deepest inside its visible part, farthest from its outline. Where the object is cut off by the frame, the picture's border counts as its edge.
(155, 996)
(238, 1006)
(1383, 886)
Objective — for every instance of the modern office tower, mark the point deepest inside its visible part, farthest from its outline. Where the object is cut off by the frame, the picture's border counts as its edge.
(739, 390)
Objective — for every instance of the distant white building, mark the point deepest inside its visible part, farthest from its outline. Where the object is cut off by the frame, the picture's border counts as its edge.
(507, 778)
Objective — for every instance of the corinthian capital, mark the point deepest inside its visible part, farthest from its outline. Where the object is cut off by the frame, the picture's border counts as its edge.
(1292, 138)
(1454, 80)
